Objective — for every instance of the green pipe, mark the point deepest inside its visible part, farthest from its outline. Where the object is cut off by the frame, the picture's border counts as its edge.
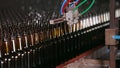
(88, 8)
(79, 5)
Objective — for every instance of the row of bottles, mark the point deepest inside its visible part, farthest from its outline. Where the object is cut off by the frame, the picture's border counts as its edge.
(21, 32)
(93, 18)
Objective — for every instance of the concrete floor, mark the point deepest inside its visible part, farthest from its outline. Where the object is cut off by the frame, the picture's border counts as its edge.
(98, 59)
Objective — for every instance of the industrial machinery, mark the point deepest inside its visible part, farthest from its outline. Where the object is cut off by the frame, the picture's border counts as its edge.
(33, 35)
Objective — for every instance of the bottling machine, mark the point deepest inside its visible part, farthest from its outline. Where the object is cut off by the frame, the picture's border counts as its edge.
(44, 34)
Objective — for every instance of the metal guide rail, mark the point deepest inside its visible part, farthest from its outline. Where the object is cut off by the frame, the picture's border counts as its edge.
(27, 41)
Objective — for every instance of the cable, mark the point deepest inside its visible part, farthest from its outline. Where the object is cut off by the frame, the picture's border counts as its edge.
(79, 5)
(93, 1)
(61, 10)
(77, 1)
(67, 3)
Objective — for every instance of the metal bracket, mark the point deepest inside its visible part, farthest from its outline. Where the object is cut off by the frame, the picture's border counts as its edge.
(109, 33)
